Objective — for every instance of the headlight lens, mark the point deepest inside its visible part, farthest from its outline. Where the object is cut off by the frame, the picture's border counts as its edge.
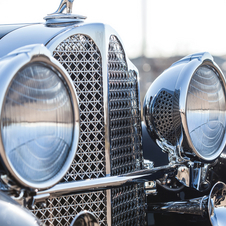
(37, 123)
(39, 117)
(206, 111)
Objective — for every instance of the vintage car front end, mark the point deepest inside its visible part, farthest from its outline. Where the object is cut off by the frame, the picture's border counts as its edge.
(71, 127)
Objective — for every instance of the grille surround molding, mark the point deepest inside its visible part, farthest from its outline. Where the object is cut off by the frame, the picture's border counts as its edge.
(101, 39)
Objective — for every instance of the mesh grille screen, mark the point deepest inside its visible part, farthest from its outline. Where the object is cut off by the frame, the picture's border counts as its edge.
(125, 127)
(62, 210)
(125, 124)
(82, 59)
(128, 206)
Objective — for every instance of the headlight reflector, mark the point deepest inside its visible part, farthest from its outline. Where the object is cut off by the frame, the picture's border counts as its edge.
(39, 119)
(206, 111)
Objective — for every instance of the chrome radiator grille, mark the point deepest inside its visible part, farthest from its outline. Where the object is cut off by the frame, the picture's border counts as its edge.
(62, 210)
(128, 206)
(82, 59)
(128, 202)
(125, 124)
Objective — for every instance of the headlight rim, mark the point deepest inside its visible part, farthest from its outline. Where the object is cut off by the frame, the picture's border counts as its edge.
(20, 59)
(191, 68)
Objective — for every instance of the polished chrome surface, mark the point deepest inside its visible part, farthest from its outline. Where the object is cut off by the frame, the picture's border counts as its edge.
(85, 218)
(86, 185)
(13, 214)
(29, 35)
(183, 175)
(29, 89)
(83, 51)
(59, 18)
(37, 112)
(213, 205)
(98, 183)
(206, 111)
(185, 108)
(65, 4)
(217, 204)
(194, 175)
(197, 206)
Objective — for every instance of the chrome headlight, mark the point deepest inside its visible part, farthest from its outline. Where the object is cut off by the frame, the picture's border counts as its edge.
(185, 106)
(39, 117)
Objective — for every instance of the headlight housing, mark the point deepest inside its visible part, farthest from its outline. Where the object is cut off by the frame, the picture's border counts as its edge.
(39, 117)
(185, 107)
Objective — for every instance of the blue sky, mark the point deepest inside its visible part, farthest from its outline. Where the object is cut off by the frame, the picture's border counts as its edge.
(172, 26)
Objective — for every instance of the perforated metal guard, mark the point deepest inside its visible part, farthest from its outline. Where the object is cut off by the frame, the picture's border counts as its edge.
(82, 59)
(62, 210)
(166, 118)
(125, 123)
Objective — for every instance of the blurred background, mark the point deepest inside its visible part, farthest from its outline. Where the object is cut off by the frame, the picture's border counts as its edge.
(156, 33)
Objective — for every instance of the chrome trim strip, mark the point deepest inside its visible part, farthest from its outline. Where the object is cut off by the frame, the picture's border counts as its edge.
(106, 102)
(96, 184)
(87, 185)
(109, 215)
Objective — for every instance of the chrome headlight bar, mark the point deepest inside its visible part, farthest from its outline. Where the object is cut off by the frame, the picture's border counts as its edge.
(185, 108)
(39, 117)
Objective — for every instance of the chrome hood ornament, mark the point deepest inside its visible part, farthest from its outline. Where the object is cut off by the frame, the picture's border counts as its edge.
(59, 18)
(65, 4)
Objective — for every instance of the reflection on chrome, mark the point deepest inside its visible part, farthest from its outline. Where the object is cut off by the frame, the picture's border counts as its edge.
(188, 111)
(205, 111)
(217, 204)
(85, 218)
(38, 114)
(214, 205)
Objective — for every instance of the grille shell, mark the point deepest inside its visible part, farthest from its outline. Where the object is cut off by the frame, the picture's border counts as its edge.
(88, 75)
